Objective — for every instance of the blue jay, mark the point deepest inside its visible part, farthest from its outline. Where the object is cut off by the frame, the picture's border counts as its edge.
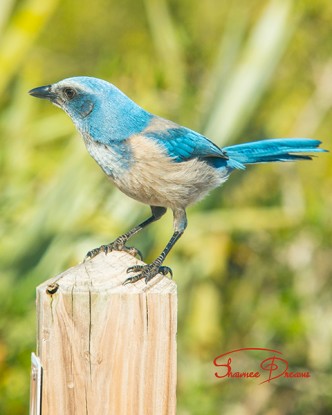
(153, 160)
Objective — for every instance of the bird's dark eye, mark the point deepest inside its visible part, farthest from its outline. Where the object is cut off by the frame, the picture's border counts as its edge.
(69, 92)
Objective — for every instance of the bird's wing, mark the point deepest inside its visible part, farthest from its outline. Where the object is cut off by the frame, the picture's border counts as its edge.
(184, 144)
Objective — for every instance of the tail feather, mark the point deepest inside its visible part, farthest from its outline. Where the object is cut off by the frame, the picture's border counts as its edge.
(266, 151)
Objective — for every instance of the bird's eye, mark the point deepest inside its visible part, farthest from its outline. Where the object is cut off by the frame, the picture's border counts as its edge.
(69, 92)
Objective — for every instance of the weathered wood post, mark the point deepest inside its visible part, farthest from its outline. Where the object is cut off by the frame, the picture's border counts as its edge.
(106, 348)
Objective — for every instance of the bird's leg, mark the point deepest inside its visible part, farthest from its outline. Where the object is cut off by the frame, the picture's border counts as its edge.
(120, 243)
(151, 270)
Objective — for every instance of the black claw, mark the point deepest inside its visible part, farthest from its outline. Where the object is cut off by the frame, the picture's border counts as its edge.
(135, 268)
(113, 247)
(133, 279)
(147, 272)
(94, 252)
(165, 270)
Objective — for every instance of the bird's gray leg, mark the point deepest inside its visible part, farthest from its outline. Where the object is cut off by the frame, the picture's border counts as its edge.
(150, 270)
(120, 243)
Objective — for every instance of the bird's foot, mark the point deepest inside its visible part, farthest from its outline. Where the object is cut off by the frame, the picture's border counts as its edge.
(113, 246)
(147, 272)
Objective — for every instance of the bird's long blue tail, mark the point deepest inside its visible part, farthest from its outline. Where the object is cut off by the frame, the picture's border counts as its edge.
(265, 151)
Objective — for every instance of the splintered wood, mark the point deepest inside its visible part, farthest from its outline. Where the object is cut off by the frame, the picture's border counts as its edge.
(107, 348)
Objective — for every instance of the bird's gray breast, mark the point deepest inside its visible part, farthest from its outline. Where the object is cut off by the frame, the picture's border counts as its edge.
(113, 159)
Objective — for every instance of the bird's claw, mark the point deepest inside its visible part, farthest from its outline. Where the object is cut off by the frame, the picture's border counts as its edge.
(147, 272)
(113, 246)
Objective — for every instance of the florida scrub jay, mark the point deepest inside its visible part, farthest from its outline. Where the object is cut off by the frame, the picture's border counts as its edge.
(153, 160)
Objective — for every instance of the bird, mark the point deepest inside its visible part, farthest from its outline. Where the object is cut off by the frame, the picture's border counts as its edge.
(154, 160)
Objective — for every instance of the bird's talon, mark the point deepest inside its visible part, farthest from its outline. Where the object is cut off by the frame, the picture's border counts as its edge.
(166, 270)
(113, 246)
(129, 280)
(134, 268)
(147, 272)
(91, 254)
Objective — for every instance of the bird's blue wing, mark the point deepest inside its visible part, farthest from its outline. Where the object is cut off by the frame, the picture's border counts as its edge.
(184, 144)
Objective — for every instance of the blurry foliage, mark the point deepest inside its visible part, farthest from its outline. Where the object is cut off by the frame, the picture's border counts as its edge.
(254, 267)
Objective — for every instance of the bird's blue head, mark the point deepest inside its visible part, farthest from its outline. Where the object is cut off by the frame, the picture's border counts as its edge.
(96, 107)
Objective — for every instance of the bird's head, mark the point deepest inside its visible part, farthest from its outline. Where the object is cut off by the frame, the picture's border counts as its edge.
(96, 107)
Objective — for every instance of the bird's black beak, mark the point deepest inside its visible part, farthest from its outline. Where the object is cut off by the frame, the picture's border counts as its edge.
(44, 92)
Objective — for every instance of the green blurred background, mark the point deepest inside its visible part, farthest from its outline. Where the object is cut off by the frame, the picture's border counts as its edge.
(254, 266)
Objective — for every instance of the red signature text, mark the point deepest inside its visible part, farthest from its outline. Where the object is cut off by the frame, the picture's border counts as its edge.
(268, 369)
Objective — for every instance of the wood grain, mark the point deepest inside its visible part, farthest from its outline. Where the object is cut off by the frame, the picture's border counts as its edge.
(107, 348)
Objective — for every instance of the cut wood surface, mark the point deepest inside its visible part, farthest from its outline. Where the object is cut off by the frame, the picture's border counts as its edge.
(107, 348)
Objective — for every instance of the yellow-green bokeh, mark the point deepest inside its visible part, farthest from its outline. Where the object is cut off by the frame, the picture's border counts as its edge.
(254, 266)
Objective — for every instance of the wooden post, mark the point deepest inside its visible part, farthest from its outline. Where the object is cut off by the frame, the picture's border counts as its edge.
(107, 348)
